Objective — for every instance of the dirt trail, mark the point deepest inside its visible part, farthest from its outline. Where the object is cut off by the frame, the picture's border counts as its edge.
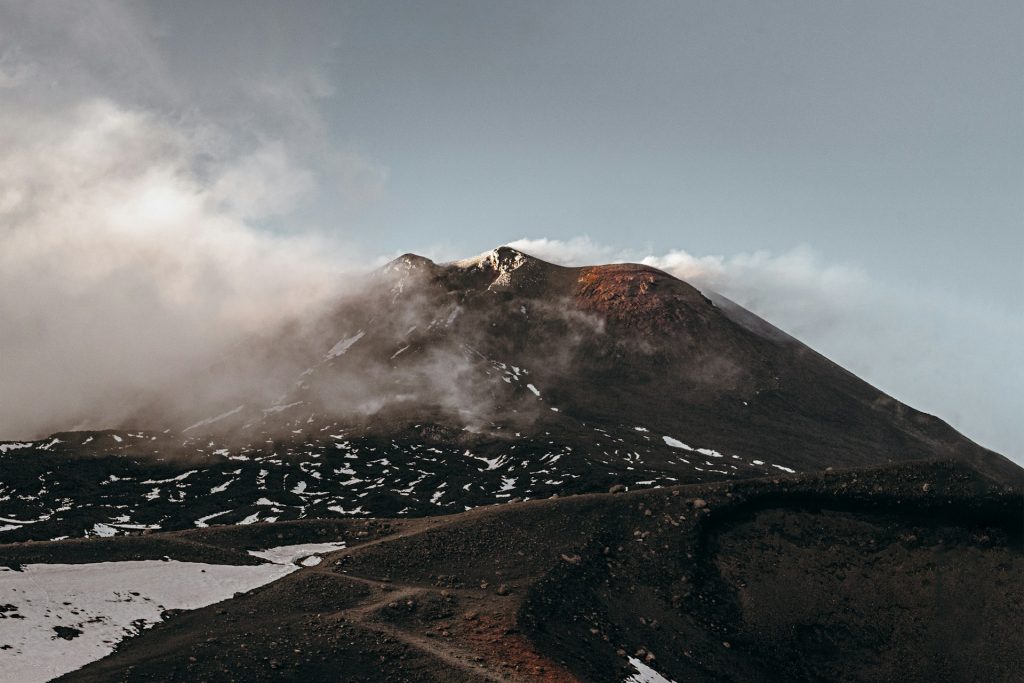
(385, 593)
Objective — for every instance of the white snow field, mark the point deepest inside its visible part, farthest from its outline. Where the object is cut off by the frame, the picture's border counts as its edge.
(55, 618)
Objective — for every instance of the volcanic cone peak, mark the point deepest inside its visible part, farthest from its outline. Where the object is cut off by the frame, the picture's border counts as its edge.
(408, 265)
(503, 269)
(503, 259)
(509, 267)
(408, 262)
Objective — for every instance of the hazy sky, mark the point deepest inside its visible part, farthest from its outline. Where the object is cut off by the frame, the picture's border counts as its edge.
(852, 171)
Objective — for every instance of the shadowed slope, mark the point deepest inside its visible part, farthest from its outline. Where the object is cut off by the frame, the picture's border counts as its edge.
(916, 577)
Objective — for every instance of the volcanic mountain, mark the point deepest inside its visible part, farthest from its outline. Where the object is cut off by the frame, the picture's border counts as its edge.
(434, 388)
(501, 469)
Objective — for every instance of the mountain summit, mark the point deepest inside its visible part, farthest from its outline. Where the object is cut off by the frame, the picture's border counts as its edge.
(631, 343)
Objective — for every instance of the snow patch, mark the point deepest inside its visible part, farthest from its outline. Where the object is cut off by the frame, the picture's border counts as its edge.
(180, 477)
(202, 521)
(223, 487)
(292, 554)
(676, 443)
(211, 420)
(277, 409)
(344, 345)
(645, 674)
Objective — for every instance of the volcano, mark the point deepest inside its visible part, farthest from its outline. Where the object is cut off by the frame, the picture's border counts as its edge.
(437, 387)
(483, 416)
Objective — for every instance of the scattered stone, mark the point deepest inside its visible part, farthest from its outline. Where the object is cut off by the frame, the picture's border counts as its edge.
(66, 632)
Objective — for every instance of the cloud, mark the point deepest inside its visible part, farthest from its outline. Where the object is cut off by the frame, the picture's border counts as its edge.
(574, 251)
(14, 70)
(119, 268)
(262, 184)
(941, 352)
(131, 244)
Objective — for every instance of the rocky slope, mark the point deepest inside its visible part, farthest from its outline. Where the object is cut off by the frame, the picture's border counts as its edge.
(905, 572)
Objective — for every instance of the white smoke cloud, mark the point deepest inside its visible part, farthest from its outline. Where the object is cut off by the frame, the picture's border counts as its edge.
(130, 244)
(580, 250)
(937, 351)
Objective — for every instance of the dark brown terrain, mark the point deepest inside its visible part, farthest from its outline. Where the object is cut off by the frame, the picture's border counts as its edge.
(908, 572)
(461, 426)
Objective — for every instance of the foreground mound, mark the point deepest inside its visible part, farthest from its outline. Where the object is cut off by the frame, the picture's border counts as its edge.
(906, 572)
